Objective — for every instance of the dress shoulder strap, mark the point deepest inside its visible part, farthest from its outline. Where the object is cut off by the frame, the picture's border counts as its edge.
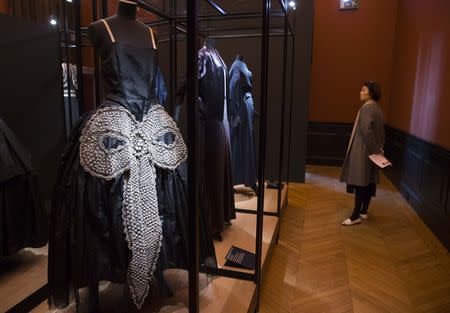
(109, 30)
(153, 38)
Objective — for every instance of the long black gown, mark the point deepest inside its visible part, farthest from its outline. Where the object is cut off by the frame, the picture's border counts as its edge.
(217, 198)
(87, 240)
(241, 120)
(23, 223)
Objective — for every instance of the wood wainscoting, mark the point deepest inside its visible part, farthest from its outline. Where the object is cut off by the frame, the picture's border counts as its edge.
(327, 143)
(421, 172)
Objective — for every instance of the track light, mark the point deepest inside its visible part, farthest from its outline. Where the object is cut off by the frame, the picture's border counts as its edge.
(70, 1)
(53, 20)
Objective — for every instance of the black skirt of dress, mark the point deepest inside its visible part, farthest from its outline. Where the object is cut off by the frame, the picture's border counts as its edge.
(87, 242)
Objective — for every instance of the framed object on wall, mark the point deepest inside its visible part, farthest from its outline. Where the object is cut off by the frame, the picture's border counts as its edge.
(349, 4)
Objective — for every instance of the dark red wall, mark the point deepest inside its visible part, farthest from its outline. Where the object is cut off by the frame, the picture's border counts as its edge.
(4, 6)
(348, 48)
(403, 44)
(419, 102)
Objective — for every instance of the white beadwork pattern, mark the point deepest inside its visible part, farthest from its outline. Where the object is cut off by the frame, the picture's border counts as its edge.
(139, 147)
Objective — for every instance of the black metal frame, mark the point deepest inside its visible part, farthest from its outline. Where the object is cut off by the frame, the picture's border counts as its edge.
(66, 44)
(189, 26)
(79, 53)
(265, 34)
(193, 207)
(283, 107)
(30, 302)
(65, 20)
(262, 144)
(291, 100)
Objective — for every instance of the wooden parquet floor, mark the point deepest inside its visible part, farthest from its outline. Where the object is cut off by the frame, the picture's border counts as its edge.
(390, 263)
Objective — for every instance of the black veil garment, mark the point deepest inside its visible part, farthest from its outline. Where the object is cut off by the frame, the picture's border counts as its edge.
(241, 119)
(217, 198)
(87, 241)
(23, 222)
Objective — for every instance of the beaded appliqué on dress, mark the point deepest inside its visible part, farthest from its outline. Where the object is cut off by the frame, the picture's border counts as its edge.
(139, 147)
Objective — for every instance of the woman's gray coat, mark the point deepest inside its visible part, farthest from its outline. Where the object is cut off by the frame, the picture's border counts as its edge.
(367, 138)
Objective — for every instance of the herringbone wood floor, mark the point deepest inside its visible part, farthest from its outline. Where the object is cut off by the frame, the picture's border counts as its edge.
(389, 263)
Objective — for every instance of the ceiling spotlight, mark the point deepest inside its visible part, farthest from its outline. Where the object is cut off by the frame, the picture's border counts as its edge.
(70, 1)
(293, 4)
(53, 20)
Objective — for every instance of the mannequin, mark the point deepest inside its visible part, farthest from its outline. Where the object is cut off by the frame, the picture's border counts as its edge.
(217, 197)
(216, 189)
(124, 26)
(128, 30)
(242, 114)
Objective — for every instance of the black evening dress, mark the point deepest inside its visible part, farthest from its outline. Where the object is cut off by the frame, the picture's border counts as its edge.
(241, 124)
(217, 198)
(123, 161)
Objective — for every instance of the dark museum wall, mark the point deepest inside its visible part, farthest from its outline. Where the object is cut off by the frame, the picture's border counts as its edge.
(31, 95)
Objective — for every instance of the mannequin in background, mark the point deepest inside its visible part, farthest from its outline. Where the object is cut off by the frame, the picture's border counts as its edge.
(216, 186)
(241, 119)
(217, 196)
(70, 98)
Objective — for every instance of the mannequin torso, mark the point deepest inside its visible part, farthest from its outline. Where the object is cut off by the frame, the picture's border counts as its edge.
(124, 27)
(129, 59)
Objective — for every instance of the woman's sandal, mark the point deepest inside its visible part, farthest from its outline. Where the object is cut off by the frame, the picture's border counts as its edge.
(349, 222)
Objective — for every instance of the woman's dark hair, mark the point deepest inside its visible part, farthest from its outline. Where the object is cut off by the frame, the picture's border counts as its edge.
(374, 89)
